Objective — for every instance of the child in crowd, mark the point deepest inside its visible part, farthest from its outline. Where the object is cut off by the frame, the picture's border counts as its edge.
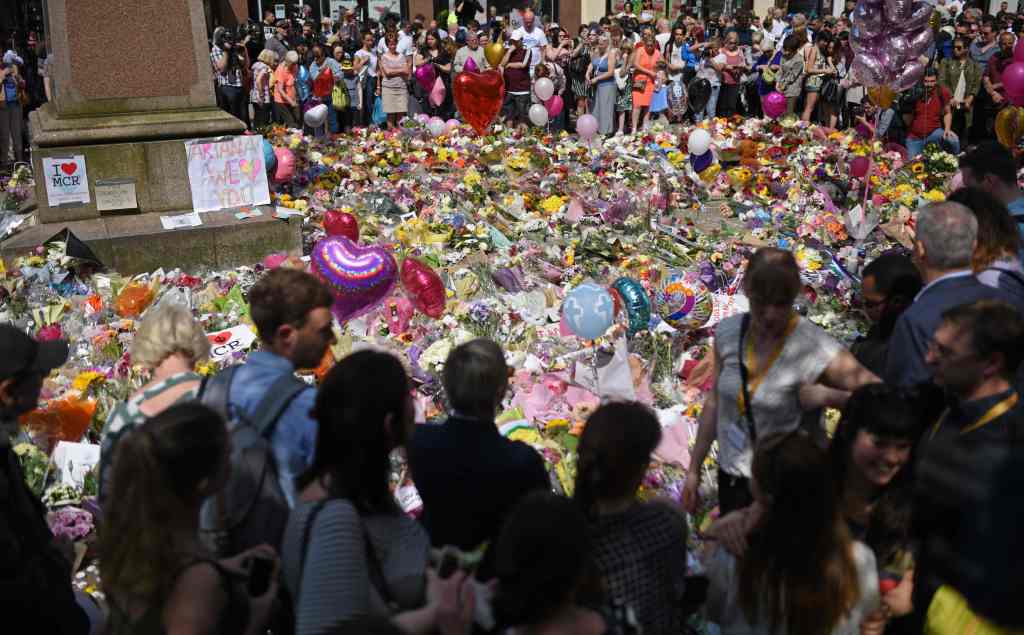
(624, 81)
(659, 100)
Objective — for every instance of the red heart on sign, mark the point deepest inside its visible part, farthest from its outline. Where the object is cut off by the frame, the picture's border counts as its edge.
(219, 338)
(479, 97)
(68, 168)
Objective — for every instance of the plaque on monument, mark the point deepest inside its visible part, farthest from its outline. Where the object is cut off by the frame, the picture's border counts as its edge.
(115, 194)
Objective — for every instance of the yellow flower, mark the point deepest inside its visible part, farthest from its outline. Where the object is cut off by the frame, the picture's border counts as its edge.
(85, 379)
(934, 196)
(472, 178)
(557, 423)
(917, 168)
(205, 368)
(552, 204)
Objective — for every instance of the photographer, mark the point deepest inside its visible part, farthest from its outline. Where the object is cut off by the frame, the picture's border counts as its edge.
(230, 61)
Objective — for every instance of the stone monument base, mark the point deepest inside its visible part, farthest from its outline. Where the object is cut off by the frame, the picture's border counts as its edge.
(147, 149)
(138, 243)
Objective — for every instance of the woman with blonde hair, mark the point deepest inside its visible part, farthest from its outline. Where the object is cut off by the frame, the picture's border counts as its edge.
(286, 98)
(261, 96)
(169, 344)
(601, 76)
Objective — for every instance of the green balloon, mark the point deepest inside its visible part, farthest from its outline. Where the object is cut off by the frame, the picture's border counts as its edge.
(636, 302)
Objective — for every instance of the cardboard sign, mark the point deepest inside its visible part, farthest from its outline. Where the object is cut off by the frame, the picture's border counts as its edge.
(75, 460)
(181, 221)
(279, 12)
(227, 172)
(66, 180)
(235, 339)
(114, 194)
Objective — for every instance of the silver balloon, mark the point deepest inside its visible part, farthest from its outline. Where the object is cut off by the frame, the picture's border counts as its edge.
(918, 44)
(890, 53)
(898, 11)
(868, 17)
(867, 29)
(919, 18)
(908, 76)
(868, 70)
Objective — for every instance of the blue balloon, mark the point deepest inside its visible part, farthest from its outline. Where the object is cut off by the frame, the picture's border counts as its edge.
(588, 310)
(269, 158)
(636, 302)
(302, 82)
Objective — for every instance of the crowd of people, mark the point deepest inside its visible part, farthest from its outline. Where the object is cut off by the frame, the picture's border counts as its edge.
(627, 69)
(250, 500)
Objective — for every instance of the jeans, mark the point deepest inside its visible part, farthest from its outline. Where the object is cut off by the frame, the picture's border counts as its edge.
(332, 119)
(236, 102)
(710, 108)
(10, 131)
(915, 146)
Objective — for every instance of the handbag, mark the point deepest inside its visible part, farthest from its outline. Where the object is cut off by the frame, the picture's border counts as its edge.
(379, 116)
(339, 97)
(949, 613)
(830, 91)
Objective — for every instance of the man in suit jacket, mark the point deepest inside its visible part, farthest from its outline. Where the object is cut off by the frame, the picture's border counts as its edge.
(946, 237)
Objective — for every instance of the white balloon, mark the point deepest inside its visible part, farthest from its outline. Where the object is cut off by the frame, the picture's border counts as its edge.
(316, 116)
(544, 88)
(437, 126)
(699, 142)
(539, 115)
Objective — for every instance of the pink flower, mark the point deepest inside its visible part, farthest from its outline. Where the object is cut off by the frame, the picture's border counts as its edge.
(50, 332)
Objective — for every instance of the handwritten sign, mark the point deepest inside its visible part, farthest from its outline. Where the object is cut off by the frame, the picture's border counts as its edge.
(227, 172)
(66, 180)
(181, 221)
(112, 194)
(75, 460)
(727, 306)
(234, 340)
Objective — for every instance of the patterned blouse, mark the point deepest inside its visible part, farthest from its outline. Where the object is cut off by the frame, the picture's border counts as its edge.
(127, 416)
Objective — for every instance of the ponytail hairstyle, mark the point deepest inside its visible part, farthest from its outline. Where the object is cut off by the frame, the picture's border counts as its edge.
(161, 473)
(542, 559)
(614, 452)
(361, 411)
(798, 570)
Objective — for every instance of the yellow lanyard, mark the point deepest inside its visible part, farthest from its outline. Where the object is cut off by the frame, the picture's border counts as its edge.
(756, 375)
(991, 414)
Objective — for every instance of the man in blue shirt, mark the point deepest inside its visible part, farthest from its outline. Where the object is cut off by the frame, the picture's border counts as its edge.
(292, 313)
(10, 108)
(991, 167)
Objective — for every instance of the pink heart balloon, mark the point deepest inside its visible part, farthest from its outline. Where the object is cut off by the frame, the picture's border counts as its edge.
(426, 75)
(470, 66)
(424, 287)
(359, 277)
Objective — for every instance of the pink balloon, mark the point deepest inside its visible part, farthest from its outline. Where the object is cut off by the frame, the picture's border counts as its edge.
(426, 75)
(774, 104)
(859, 167)
(285, 165)
(897, 11)
(868, 70)
(1016, 100)
(397, 313)
(470, 66)
(451, 124)
(917, 44)
(424, 287)
(555, 105)
(867, 22)
(919, 18)
(1018, 51)
(437, 92)
(586, 126)
(908, 76)
(1013, 78)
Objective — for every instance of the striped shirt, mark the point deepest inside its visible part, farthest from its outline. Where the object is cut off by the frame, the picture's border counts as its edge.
(335, 582)
(126, 416)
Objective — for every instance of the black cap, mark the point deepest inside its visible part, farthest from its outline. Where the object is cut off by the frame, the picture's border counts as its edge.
(20, 353)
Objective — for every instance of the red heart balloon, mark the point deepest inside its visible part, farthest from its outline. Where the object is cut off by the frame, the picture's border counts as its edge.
(479, 97)
(339, 223)
(424, 287)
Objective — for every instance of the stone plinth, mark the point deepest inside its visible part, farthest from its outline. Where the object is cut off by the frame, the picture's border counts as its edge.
(138, 243)
(131, 82)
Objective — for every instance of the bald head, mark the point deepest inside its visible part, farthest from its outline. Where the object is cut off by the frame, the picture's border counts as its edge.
(946, 236)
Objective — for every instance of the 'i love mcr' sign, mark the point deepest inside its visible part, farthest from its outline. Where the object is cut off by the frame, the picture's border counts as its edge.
(66, 180)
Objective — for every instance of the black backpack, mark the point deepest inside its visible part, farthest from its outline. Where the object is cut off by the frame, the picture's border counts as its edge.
(251, 509)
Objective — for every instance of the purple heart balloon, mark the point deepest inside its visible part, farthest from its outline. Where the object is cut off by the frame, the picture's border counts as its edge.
(359, 277)
(919, 18)
(908, 76)
(917, 44)
(426, 75)
(897, 11)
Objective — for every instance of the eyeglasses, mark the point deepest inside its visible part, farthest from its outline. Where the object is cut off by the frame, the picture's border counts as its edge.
(872, 304)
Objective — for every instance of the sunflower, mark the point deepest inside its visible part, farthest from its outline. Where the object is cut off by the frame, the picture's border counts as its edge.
(917, 168)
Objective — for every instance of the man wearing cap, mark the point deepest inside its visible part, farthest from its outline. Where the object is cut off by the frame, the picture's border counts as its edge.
(35, 576)
(277, 43)
(533, 38)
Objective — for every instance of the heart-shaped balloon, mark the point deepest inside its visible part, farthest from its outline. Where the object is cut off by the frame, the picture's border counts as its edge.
(494, 52)
(478, 97)
(470, 66)
(424, 287)
(359, 277)
(339, 223)
(426, 75)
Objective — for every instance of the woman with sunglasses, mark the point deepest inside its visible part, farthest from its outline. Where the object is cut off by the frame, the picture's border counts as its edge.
(961, 76)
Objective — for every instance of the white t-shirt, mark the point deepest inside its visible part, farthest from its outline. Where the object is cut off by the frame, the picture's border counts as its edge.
(806, 354)
(533, 41)
(662, 39)
(723, 605)
(405, 46)
(371, 66)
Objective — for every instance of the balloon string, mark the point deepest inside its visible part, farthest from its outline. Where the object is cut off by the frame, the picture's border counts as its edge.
(871, 162)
